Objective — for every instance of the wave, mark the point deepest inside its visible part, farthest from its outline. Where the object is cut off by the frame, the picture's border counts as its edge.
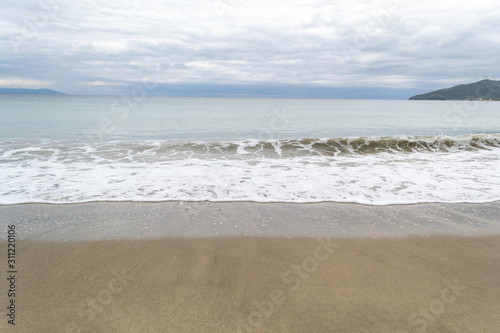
(158, 150)
(368, 170)
(363, 145)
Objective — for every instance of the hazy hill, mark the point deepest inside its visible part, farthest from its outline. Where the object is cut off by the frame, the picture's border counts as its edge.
(482, 90)
(30, 91)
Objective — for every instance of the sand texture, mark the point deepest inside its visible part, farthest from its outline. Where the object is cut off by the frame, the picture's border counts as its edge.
(245, 284)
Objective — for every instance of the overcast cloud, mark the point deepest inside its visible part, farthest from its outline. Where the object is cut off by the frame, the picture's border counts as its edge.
(107, 47)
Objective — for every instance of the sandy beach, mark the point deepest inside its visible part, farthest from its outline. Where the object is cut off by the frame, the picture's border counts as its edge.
(403, 283)
(435, 284)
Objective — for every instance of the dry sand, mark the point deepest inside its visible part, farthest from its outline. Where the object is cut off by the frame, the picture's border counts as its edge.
(244, 284)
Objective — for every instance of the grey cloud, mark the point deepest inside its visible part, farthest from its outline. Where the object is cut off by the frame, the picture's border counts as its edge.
(344, 44)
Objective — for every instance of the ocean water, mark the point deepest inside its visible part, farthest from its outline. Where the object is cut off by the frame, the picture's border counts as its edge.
(65, 149)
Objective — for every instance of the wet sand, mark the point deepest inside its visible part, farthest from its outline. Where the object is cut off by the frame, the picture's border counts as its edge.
(138, 220)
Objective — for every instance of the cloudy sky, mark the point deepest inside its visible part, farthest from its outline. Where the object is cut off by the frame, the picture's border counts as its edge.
(292, 48)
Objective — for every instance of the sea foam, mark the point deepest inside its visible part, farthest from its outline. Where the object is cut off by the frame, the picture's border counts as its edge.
(367, 170)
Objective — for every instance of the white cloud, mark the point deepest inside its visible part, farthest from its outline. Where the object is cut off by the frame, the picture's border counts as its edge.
(24, 83)
(101, 83)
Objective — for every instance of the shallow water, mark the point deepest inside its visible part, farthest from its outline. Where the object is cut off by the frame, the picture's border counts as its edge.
(64, 149)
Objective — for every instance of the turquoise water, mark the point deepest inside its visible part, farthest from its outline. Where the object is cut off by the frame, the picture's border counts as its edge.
(96, 118)
(59, 149)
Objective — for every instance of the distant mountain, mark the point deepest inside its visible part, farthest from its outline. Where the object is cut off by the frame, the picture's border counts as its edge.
(482, 90)
(30, 91)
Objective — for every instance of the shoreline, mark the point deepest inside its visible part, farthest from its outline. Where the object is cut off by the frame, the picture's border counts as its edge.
(260, 284)
(247, 202)
(136, 220)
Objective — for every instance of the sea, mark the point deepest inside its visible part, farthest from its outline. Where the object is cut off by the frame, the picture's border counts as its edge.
(72, 149)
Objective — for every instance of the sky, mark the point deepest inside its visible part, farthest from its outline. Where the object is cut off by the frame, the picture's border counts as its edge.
(387, 49)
